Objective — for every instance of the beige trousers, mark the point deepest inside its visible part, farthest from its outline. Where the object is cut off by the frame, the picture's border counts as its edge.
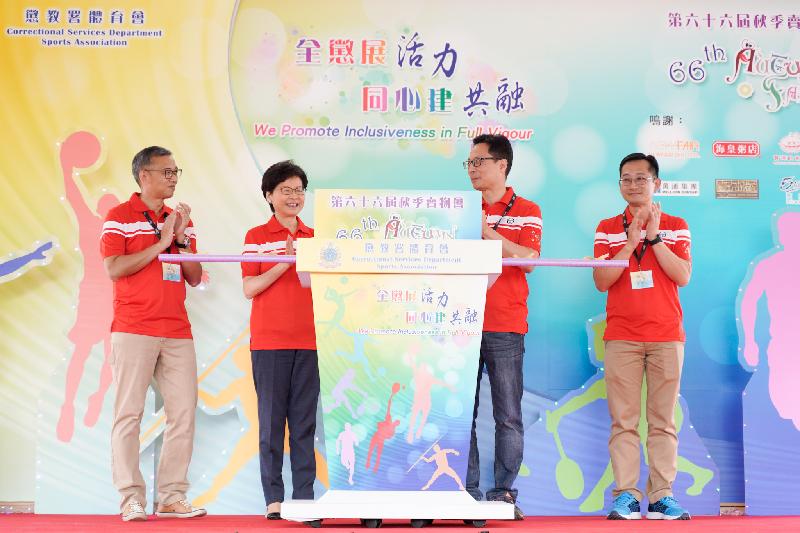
(626, 362)
(135, 360)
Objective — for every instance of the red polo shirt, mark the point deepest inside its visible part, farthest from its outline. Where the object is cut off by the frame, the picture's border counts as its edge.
(644, 315)
(144, 303)
(282, 317)
(507, 299)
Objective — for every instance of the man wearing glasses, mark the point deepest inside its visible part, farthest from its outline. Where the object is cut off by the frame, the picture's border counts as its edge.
(151, 336)
(644, 337)
(516, 222)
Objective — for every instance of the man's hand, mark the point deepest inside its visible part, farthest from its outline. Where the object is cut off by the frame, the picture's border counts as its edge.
(510, 248)
(634, 233)
(168, 231)
(654, 221)
(486, 231)
(182, 212)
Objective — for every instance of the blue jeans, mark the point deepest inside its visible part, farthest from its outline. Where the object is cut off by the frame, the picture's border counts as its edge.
(502, 354)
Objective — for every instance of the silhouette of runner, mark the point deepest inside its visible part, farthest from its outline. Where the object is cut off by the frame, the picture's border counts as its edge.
(246, 448)
(345, 447)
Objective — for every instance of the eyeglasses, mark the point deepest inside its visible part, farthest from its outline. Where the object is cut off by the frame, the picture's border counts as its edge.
(166, 172)
(636, 180)
(288, 191)
(477, 161)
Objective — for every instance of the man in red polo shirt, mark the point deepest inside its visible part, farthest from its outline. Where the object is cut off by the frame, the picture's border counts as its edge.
(151, 336)
(516, 222)
(644, 337)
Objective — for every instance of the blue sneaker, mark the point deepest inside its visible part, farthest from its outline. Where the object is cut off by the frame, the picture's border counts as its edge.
(625, 507)
(667, 508)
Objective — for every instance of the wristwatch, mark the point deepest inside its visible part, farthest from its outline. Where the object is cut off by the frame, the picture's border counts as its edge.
(656, 240)
(184, 244)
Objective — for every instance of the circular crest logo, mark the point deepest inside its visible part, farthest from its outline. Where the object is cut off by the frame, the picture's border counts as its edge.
(330, 256)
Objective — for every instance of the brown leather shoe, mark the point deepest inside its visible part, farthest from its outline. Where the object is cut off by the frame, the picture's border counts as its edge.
(508, 498)
(179, 509)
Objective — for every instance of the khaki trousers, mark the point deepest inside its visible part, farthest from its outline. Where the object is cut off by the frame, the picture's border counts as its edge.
(135, 360)
(626, 362)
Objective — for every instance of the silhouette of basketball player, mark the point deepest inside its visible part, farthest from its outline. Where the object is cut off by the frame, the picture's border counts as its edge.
(94, 309)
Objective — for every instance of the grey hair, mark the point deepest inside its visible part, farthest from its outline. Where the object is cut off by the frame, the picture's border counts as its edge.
(143, 158)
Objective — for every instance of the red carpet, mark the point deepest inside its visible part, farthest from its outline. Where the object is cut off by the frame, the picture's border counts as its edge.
(242, 524)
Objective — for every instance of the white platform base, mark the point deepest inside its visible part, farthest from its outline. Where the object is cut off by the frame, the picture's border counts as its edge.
(437, 505)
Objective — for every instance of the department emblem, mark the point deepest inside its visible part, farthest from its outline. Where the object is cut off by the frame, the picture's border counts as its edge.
(330, 256)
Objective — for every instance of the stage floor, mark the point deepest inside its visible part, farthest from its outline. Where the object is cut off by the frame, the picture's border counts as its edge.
(241, 524)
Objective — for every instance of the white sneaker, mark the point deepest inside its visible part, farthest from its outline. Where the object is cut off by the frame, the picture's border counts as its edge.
(134, 512)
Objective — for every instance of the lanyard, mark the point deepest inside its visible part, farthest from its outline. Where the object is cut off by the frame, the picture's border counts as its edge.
(155, 229)
(508, 208)
(152, 224)
(638, 257)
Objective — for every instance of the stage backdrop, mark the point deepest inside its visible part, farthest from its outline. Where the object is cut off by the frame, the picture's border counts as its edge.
(376, 94)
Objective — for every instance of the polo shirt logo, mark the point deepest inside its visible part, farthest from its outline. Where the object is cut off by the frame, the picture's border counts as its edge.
(516, 222)
(619, 239)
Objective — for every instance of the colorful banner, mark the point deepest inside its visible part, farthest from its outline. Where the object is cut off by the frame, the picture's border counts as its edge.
(397, 377)
(398, 333)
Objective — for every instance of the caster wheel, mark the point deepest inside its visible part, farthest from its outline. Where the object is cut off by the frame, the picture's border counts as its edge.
(314, 523)
(421, 522)
(475, 523)
(371, 522)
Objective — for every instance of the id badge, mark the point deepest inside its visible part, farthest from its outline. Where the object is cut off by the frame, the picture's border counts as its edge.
(642, 279)
(172, 271)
